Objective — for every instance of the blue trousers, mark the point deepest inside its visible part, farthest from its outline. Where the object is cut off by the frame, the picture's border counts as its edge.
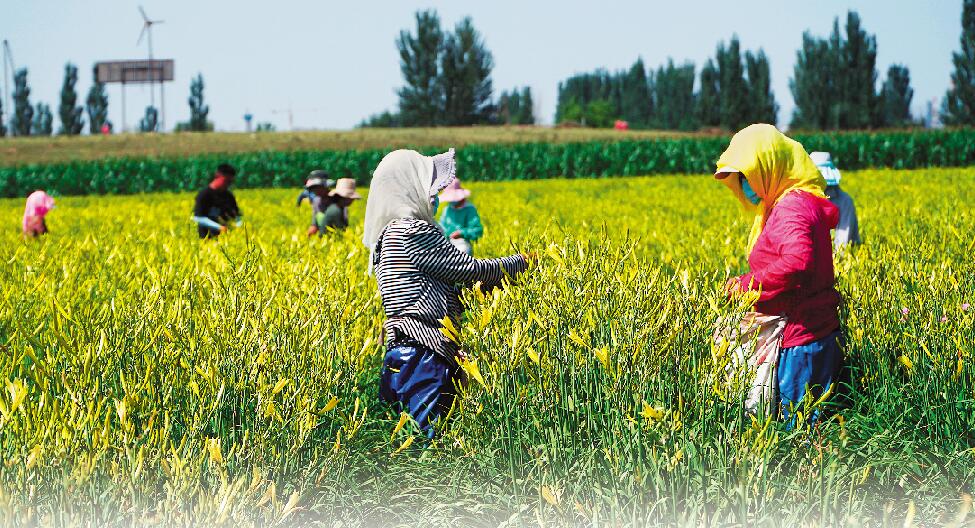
(808, 369)
(419, 381)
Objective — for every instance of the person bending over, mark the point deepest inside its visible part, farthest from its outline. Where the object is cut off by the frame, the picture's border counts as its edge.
(420, 276)
(216, 208)
(790, 258)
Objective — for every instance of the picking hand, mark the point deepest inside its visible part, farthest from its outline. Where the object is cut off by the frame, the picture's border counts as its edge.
(223, 229)
(733, 286)
(456, 234)
(531, 258)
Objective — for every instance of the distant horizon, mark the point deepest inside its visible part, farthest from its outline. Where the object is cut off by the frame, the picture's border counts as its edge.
(342, 65)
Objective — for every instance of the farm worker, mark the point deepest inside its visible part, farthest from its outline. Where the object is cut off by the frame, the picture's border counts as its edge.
(459, 219)
(315, 178)
(316, 191)
(420, 274)
(215, 205)
(39, 203)
(790, 257)
(335, 215)
(848, 229)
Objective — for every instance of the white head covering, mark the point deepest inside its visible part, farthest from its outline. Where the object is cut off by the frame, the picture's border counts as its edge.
(824, 162)
(401, 187)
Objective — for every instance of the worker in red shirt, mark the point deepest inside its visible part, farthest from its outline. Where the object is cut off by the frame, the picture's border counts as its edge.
(790, 257)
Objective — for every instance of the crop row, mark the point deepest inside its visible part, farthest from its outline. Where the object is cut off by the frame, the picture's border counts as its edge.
(901, 150)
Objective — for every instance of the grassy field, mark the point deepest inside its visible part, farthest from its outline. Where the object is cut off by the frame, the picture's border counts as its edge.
(152, 379)
(19, 151)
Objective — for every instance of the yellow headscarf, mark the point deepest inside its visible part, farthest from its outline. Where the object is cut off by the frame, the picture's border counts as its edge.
(774, 165)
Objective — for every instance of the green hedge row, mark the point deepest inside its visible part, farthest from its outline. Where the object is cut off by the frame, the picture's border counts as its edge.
(907, 149)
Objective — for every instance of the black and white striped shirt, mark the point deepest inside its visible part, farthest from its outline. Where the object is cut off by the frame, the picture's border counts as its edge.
(420, 276)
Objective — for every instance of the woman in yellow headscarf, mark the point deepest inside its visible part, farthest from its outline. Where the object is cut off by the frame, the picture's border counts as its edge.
(790, 256)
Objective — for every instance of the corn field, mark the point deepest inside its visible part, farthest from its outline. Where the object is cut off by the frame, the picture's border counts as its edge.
(153, 379)
(539, 155)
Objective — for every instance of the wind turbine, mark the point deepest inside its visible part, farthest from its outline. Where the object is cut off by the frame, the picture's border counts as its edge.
(147, 32)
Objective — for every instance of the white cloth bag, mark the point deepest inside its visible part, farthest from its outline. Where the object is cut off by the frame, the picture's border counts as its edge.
(753, 349)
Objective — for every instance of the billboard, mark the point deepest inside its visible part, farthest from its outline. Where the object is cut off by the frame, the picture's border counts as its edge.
(134, 71)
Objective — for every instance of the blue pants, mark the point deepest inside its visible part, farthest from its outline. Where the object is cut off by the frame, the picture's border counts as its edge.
(420, 381)
(811, 369)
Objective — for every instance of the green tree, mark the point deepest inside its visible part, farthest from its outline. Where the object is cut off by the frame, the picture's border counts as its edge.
(708, 103)
(421, 100)
(385, 119)
(149, 123)
(860, 106)
(834, 82)
(674, 97)
(509, 107)
(527, 107)
(43, 124)
(581, 90)
(97, 105)
(762, 107)
(69, 111)
(601, 114)
(636, 102)
(813, 85)
(896, 96)
(959, 102)
(465, 78)
(23, 116)
(733, 92)
(198, 110)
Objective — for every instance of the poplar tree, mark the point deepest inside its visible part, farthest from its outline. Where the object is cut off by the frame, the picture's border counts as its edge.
(43, 123)
(96, 105)
(465, 77)
(69, 111)
(762, 107)
(636, 102)
(421, 99)
(708, 103)
(896, 96)
(959, 102)
(23, 116)
(198, 110)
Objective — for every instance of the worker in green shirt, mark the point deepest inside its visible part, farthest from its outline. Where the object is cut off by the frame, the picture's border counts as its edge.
(459, 219)
(335, 215)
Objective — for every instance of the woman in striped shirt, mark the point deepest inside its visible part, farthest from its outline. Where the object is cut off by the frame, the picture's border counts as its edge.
(420, 275)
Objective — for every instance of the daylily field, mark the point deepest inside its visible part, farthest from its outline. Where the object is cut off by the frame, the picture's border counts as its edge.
(149, 378)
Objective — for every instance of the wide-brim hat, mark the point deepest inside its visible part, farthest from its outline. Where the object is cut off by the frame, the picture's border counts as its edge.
(345, 187)
(454, 192)
(824, 162)
(723, 172)
(314, 182)
(444, 171)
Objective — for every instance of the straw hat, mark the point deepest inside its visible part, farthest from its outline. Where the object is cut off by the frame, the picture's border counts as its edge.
(345, 187)
(824, 162)
(454, 192)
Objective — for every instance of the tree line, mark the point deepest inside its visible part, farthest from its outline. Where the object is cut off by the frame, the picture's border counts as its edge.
(28, 119)
(447, 76)
(834, 85)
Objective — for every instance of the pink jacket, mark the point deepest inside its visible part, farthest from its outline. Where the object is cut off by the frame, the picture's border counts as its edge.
(792, 263)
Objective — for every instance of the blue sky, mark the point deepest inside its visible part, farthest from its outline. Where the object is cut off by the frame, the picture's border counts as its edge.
(334, 63)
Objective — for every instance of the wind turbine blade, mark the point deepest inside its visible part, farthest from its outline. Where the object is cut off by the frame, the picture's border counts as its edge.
(144, 16)
(144, 27)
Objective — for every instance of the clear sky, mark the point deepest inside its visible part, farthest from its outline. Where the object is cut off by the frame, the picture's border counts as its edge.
(334, 63)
